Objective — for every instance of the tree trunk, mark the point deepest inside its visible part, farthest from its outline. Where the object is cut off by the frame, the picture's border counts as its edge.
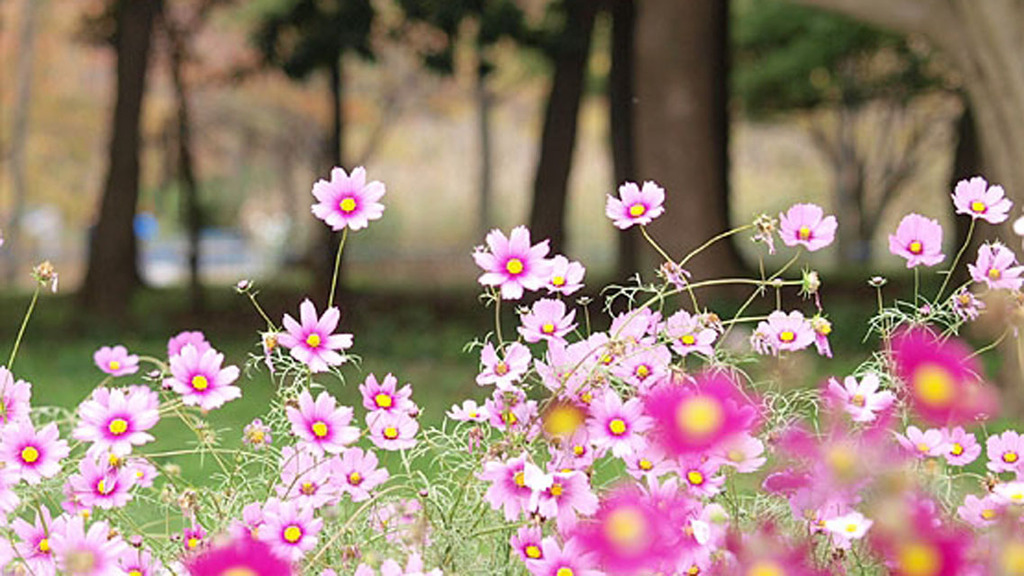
(326, 247)
(558, 140)
(19, 135)
(484, 103)
(620, 101)
(682, 126)
(113, 273)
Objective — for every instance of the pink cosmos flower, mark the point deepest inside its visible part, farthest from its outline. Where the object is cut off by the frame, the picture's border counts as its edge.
(195, 338)
(34, 546)
(15, 398)
(505, 371)
(562, 496)
(931, 442)
(822, 328)
(201, 381)
(290, 530)
(117, 420)
(143, 471)
(643, 368)
(650, 461)
(306, 478)
(116, 361)
(563, 560)
(861, 400)
(9, 499)
(743, 452)
(508, 490)
(245, 555)
(468, 412)
(786, 332)
(138, 562)
(691, 419)
(981, 512)
(392, 430)
(616, 425)
(257, 435)
(966, 306)
(249, 525)
(74, 548)
(527, 543)
(919, 240)
(688, 334)
(348, 201)
(513, 263)
(566, 277)
(995, 268)
(848, 527)
(322, 425)
(963, 447)
(98, 484)
(194, 536)
(511, 411)
(313, 342)
(807, 225)
(1005, 452)
(546, 320)
(31, 455)
(700, 475)
(386, 397)
(635, 205)
(356, 473)
(977, 199)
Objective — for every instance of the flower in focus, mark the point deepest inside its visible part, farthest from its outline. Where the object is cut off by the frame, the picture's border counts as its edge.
(508, 490)
(546, 320)
(356, 473)
(34, 546)
(194, 536)
(566, 276)
(563, 560)
(995, 268)
(977, 199)
(618, 425)
(688, 334)
(290, 530)
(635, 204)
(861, 400)
(201, 381)
(392, 430)
(386, 396)
(981, 512)
(116, 361)
(306, 478)
(562, 496)
(256, 434)
(86, 553)
(1005, 452)
(32, 455)
(348, 201)
(468, 412)
(966, 305)
(322, 425)
(118, 420)
(102, 485)
(963, 447)
(807, 225)
(504, 371)
(512, 263)
(527, 543)
(313, 342)
(786, 332)
(919, 240)
(241, 557)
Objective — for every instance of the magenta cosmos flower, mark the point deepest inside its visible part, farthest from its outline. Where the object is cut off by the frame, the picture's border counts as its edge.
(508, 491)
(87, 553)
(688, 334)
(635, 204)
(116, 361)
(1005, 452)
(963, 447)
(34, 546)
(356, 473)
(386, 396)
(322, 425)
(31, 455)
(977, 199)
(996, 268)
(306, 478)
(101, 485)
(117, 420)
(513, 263)
(616, 425)
(392, 430)
(348, 201)
(182, 339)
(861, 400)
(289, 530)
(919, 240)
(562, 496)
(786, 332)
(505, 371)
(240, 556)
(566, 277)
(15, 398)
(313, 342)
(546, 320)
(564, 560)
(200, 380)
(807, 225)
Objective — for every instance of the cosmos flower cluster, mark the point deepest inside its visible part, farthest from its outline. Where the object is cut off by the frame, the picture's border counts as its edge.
(665, 437)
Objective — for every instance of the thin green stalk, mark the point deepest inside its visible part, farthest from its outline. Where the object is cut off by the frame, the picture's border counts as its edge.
(949, 274)
(917, 284)
(24, 324)
(497, 317)
(270, 323)
(707, 244)
(643, 230)
(337, 266)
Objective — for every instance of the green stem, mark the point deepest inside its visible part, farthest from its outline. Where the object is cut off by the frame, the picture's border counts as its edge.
(497, 317)
(949, 274)
(721, 236)
(259, 309)
(643, 230)
(21, 331)
(917, 284)
(337, 266)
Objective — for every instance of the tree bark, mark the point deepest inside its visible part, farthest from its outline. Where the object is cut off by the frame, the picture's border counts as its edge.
(621, 101)
(19, 134)
(682, 126)
(112, 276)
(558, 140)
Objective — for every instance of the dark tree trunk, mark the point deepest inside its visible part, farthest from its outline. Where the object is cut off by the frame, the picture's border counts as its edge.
(682, 126)
(550, 187)
(967, 163)
(323, 252)
(113, 273)
(620, 101)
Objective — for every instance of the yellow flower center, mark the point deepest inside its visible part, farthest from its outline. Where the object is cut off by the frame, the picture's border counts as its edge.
(347, 205)
(957, 449)
(645, 464)
(514, 266)
(391, 432)
(787, 336)
(199, 382)
(765, 568)
(256, 436)
(643, 371)
(988, 513)
(626, 528)
(700, 416)
(101, 487)
(851, 527)
(804, 233)
(313, 341)
(532, 551)
(563, 571)
(688, 340)
(578, 450)
(919, 559)
(558, 280)
(1010, 457)
(355, 478)
(933, 385)
(617, 426)
(994, 273)
(563, 420)
(637, 210)
(548, 328)
(319, 429)
(694, 477)
(383, 400)
(915, 247)
(115, 365)
(922, 447)
(556, 489)
(736, 455)
(520, 479)
(308, 488)
(858, 400)
(118, 426)
(44, 545)
(293, 534)
(192, 542)
(501, 368)
(978, 207)
(29, 454)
